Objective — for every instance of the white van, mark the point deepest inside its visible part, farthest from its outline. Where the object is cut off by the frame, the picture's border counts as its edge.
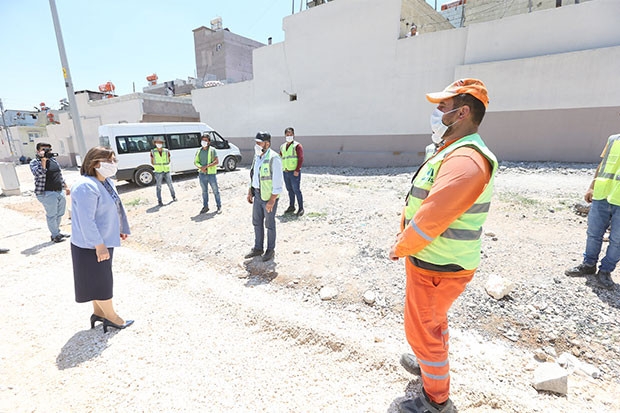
(133, 142)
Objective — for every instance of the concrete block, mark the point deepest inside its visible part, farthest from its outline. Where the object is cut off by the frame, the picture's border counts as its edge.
(9, 183)
(551, 377)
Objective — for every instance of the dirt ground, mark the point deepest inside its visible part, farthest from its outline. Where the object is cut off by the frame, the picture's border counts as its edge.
(215, 332)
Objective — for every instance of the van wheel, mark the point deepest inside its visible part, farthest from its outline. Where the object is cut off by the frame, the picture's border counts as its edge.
(230, 163)
(144, 176)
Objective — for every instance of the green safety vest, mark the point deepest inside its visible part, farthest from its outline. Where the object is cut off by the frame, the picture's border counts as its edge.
(289, 156)
(161, 162)
(265, 175)
(607, 182)
(460, 243)
(210, 157)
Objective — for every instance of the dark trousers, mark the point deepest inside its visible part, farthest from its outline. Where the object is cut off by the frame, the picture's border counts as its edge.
(262, 219)
(293, 183)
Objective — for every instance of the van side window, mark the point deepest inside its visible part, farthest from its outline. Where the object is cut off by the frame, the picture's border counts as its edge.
(121, 145)
(151, 138)
(184, 140)
(134, 143)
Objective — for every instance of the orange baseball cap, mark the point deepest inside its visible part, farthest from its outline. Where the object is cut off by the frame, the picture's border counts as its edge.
(472, 87)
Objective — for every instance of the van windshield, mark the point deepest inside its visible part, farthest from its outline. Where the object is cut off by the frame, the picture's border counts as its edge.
(104, 141)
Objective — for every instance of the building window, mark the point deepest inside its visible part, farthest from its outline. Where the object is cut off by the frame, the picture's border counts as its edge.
(33, 135)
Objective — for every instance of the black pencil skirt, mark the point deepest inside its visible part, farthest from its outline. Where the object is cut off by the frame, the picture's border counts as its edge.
(93, 280)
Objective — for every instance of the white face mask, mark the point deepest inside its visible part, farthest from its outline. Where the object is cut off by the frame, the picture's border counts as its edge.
(204, 144)
(159, 145)
(437, 126)
(107, 169)
(258, 150)
(290, 138)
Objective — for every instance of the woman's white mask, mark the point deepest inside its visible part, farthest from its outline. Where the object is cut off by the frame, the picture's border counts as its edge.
(107, 169)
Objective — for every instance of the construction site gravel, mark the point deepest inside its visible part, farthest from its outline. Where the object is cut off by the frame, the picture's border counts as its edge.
(215, 332)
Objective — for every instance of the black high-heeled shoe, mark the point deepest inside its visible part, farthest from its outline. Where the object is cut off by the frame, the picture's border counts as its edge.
(107, 323)
(94, 318)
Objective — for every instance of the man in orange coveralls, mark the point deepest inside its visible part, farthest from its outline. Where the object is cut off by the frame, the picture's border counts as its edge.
(440, 235)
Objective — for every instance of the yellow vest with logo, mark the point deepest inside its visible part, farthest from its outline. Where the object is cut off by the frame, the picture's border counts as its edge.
(161, 162)
(289, 156)
(460, 243)
(265, 175)
(607, 182)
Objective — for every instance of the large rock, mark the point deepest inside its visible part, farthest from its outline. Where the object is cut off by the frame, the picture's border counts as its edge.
(328, 293)
(572, 363)
(370, 297)
(551, 377)
(498, 287)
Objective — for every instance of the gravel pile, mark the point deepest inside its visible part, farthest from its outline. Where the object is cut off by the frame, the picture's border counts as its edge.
(318, 329)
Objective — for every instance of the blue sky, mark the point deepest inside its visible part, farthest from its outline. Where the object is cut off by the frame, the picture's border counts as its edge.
(121, 41)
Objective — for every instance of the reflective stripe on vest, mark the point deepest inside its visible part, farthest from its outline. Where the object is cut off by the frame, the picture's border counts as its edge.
(460, 242)
(606, 185)
(161, 162)
(289, 157)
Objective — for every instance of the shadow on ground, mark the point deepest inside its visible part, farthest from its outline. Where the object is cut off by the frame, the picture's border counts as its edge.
(83, 346)
(259, 272)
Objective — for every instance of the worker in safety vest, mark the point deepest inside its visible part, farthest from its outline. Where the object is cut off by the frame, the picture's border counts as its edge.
(206, 161)
(265, 187)
(292, 154)
(440, 235)
(604, 194)
(160, 159)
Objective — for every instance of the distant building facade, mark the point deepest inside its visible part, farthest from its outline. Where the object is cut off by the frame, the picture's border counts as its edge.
(222, 55)
(461, 13)
(19, 132)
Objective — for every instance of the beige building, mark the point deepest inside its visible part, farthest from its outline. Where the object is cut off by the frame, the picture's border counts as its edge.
(424, 16)
(477, 11)
(223, 55)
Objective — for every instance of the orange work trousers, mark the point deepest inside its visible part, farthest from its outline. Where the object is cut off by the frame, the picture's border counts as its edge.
(427, 301)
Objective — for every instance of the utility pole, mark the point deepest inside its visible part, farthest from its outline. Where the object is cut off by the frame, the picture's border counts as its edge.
(7, 131)
(77, 124)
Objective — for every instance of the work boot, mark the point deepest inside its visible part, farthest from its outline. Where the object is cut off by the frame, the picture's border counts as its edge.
(603, 280)
(422, 404)
(581, 270)
(254, 253)
(410, 363)
(268, 255)
(290, 210)
(58, 238)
